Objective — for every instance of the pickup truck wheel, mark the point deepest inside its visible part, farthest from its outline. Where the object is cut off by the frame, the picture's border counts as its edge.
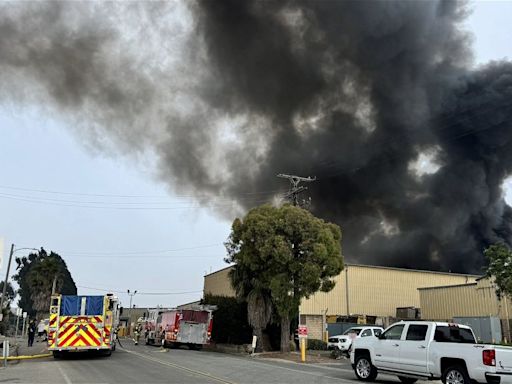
(407, 380)
(364, 369)
(455, 374)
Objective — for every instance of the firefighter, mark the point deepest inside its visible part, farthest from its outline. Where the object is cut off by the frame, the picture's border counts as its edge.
(138, 330)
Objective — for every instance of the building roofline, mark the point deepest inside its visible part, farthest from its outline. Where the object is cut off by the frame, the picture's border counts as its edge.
(220, 270)
(448, 286)
(411, 270)
(192, 302)
(382, 267)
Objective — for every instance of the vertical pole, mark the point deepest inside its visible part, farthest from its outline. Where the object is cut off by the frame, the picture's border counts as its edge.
(23, 328)
(17, 323)
(5, 351)
(6, 279)
(303, 349)
(54, 285)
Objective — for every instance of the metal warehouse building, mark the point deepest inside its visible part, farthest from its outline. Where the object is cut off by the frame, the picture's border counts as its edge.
(475, 302)
(360, 290)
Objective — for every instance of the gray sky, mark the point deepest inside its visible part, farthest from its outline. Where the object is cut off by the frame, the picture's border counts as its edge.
(135, 234)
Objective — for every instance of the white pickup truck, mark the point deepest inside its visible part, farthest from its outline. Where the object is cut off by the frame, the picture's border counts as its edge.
(431, 351)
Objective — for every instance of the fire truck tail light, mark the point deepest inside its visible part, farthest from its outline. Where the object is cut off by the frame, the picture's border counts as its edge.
(489, 357)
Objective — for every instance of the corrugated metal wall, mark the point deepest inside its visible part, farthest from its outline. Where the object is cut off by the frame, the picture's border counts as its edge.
(372, 290)
(478, 299)
(377, 291)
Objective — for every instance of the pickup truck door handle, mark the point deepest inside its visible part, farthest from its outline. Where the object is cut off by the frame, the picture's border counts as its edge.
(422, 347)
(395, 345)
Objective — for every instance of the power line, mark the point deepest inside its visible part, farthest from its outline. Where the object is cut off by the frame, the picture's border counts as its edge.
(123, 196)
(140, 293)
(140, 252)
(142, 255)
(45, 202)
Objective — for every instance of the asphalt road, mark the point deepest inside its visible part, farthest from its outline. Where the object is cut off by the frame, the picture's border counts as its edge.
(144, 364)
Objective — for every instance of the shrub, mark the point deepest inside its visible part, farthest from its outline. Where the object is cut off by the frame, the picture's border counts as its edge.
(317, 345)
(229, 320)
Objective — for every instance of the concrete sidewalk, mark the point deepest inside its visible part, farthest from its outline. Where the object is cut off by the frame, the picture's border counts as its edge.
(19, 347)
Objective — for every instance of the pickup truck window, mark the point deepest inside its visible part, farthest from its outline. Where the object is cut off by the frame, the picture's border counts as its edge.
(446, 334)
(352, 330)
(367, 332)
(393, 333)
(417, 332)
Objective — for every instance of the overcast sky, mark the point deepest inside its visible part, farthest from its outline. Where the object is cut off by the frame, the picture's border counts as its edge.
(135, 235)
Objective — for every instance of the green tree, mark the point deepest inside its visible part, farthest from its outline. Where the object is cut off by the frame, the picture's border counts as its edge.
(35, 277)
(9, 296)
(249, 289)
(284, 253)
(499, 268)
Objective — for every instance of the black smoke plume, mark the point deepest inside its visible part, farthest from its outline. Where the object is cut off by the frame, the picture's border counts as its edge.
(227, 94)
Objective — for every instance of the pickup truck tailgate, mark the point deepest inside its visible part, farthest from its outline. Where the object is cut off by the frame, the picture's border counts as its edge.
(503, 360)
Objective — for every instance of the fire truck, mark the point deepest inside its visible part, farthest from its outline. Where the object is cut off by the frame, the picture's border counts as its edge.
(83, 323)
(175, 327)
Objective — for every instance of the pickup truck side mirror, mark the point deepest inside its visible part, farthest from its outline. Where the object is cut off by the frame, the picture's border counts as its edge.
(381, 337)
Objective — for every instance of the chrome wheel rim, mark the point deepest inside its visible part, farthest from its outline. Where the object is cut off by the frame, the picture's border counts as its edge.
(363, 368)
(454, 377)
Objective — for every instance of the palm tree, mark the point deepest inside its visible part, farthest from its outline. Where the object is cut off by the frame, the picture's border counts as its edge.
(259, 303)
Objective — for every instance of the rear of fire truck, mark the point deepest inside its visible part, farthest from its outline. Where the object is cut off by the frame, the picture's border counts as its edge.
(189, 327)
(83, 323)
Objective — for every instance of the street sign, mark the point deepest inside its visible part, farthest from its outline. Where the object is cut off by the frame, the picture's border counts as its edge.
(19, 312)
(303, 331)
(24, 315)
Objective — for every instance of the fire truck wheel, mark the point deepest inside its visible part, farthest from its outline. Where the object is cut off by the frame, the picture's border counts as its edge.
(107, 352)
(56, 355)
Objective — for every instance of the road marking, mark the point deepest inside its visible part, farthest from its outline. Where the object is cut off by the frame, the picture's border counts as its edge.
(300, 371)
(315, 365)
(66, 378)
(199, 373)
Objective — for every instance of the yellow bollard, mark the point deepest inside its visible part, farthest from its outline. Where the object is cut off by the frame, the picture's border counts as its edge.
(303, 349)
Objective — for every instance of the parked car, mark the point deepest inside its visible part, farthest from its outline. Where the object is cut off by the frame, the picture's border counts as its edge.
(344, 342)
(429, 350)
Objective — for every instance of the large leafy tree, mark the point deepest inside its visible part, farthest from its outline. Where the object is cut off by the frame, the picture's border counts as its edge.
(499, 258)
(9, 296)
(284, 253)
(36, 274)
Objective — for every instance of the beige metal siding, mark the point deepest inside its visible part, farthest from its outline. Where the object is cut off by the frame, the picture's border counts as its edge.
(219, 284)
(377, 291)
(470, 300)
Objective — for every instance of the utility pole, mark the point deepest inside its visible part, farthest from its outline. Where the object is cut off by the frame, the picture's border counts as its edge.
(5, 282)
(131, 309)
(54, 285)
(295, 189)
(131, 296)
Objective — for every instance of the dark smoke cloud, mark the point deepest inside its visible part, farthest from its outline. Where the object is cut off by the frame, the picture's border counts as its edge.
(229, 93)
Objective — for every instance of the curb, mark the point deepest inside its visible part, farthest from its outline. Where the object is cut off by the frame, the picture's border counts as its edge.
(27, 357)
